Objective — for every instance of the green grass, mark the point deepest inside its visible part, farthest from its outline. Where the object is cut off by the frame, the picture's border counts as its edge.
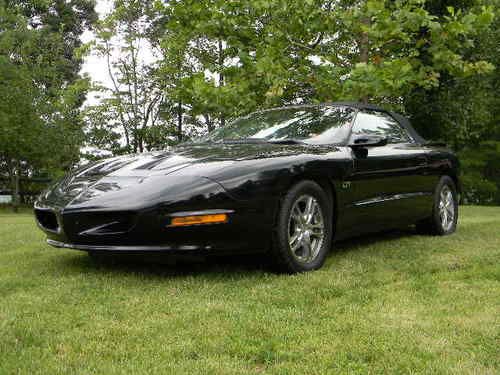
(393, 303)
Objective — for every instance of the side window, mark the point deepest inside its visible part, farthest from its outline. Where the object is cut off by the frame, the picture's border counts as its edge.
(379, 124)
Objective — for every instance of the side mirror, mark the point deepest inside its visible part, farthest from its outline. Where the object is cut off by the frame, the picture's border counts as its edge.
(364, 140)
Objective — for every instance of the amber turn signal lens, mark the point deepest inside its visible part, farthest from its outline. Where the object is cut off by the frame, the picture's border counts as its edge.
(198, 220)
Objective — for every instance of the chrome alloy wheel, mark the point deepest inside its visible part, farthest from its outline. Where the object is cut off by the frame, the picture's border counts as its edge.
(446, 208)
(306, 230)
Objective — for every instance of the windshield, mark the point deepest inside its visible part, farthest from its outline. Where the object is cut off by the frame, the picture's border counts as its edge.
(316, 125)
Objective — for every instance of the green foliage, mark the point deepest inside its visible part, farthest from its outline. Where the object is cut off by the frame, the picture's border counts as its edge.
(407, 47)
(481, 173)
(233, 57)
(223, 59)
(277, 44)
(41, 93)
(464, 111)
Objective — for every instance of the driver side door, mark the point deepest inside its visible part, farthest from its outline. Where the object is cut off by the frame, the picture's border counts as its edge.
(390, 184)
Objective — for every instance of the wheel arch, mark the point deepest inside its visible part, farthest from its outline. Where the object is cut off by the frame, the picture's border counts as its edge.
(454, 175)
(452, 170)
(327, 185)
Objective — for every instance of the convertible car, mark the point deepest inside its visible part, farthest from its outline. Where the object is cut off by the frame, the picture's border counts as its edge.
(288, 182)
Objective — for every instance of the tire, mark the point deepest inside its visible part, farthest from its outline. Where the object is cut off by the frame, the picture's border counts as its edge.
(303, 229)
(445, 204)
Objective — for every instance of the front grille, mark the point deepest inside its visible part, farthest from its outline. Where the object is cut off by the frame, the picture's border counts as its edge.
(98, 223)
(47, 219)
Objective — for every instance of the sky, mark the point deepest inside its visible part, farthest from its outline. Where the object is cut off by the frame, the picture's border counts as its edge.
(93, 65)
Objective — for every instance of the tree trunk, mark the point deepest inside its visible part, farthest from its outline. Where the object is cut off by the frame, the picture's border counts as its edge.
(222, 118)
(209, 122)
(179, 121)
(364, 48)
(15, 196)
(134, 142)
(127, 138)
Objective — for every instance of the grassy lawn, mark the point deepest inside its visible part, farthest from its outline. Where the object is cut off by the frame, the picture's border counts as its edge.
(392, 303)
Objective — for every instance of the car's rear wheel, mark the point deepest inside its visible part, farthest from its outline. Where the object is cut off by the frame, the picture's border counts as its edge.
(444, 216)
(304, 229)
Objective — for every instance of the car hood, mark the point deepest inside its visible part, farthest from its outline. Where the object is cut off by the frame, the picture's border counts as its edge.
(155, 172)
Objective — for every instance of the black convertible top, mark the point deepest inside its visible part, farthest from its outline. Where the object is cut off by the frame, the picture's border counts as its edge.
(405, 123)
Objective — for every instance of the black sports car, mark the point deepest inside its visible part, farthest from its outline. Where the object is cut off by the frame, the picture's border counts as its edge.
(285, 181)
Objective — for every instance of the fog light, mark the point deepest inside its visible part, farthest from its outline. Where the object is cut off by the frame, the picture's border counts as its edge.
(183, 221)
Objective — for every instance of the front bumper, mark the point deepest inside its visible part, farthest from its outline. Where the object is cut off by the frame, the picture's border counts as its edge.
(147, 231)
(129, 249)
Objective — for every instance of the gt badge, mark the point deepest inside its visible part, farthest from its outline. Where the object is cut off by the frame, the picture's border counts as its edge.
(346, 184)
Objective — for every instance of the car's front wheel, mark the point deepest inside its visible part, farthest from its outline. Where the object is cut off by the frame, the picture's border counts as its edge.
(304, 228)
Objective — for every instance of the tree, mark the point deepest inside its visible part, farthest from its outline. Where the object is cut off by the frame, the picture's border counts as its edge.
(237, 56)
(134, 104)
(40, 123)
(68, 18)
(463, 110)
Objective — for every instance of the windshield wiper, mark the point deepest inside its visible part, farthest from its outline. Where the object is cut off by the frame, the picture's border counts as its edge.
(243, 140)
(290, 141)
